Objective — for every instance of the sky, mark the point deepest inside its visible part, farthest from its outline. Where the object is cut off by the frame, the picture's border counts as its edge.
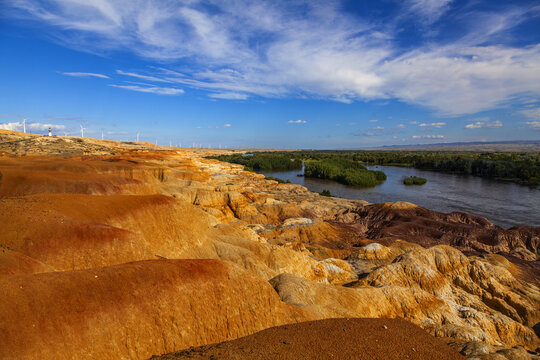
(272, 74)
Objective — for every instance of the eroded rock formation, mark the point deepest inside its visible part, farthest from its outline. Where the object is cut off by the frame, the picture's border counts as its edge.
(94, 249)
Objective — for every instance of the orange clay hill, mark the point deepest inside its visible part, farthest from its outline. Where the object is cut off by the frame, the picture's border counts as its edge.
(127, 250)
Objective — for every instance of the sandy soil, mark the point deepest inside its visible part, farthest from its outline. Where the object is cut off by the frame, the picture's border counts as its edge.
(362, 339)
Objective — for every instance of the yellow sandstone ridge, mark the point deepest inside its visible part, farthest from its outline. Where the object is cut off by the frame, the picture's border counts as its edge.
(400, 205)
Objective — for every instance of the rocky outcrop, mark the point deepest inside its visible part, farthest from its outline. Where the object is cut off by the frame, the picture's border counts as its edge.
(464, 231)
(484, 297)
(439, 289)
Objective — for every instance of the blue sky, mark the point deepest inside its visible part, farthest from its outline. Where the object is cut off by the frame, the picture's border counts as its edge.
(294, 74)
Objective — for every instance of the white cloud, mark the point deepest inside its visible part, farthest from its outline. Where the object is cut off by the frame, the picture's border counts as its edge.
(271, 49)
(18, 126)
(535, 125)
(378, 128)
(413, 122)
(401, 126)
(373, 121)
(85, 74)
(437, 125)
(13, 126)
(428, 136)
(297, 121)
(532, 113)
(229, 96)
(151, 89)
(484, 124)
(38, 126)
(227, 125)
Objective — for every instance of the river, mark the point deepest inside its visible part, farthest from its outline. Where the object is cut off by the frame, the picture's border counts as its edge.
(505, 204)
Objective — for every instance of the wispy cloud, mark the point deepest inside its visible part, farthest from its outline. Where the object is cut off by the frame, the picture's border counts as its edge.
(376, 131)
(151, 89)
(271, 49)
(535, 125)
(297, 122)
(532, 113)
(85, 74)
(428, 136)
(428, 11)
(229, 96)
(62, 118)
(373, 121)
(227, 125)
(143, 77)
(436, 125)
(484, 124)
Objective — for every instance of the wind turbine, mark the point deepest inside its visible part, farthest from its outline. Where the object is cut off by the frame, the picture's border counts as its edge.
(82, 130)
(24, 125)
(137, 137)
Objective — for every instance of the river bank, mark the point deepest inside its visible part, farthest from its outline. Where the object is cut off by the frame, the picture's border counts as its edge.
(505, 204)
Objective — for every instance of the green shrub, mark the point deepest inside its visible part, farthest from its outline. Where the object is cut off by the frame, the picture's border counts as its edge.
(325, 192)
(344, 171)
(414, 180)
(280, 181)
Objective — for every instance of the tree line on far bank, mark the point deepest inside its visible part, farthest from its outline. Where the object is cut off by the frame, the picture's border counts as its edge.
(263, 161)
(522, 167)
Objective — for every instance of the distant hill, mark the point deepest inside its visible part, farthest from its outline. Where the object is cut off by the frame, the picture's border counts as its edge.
(510, 146)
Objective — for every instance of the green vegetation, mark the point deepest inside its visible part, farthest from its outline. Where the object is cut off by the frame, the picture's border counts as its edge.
(414, 180)
(522, 167)
(344, 171)
(281, 181)
(325, 192)
(267, 161)
(519, 167)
